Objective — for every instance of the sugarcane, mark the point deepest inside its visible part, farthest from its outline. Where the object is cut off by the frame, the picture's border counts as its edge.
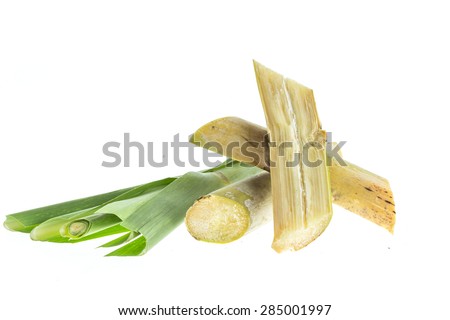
(141, 215)
(352, 187)
(224, 203)
(301, 193)
(227, 214)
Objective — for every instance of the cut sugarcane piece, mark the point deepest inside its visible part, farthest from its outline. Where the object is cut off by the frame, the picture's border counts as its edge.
(364, 193)
(300, 184)
(353, 188)
(228, 213)
(235, 138)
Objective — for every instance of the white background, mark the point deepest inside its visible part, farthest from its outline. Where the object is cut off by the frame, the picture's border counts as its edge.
(76, 74)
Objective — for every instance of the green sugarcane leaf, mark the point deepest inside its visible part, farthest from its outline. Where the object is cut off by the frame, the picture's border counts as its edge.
(25, 221)
(134, 248)
(124, 208)
(120, 240)
(55, 229)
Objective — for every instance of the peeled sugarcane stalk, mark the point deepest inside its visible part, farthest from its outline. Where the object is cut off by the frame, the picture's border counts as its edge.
(353, 188)
(301, 193)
